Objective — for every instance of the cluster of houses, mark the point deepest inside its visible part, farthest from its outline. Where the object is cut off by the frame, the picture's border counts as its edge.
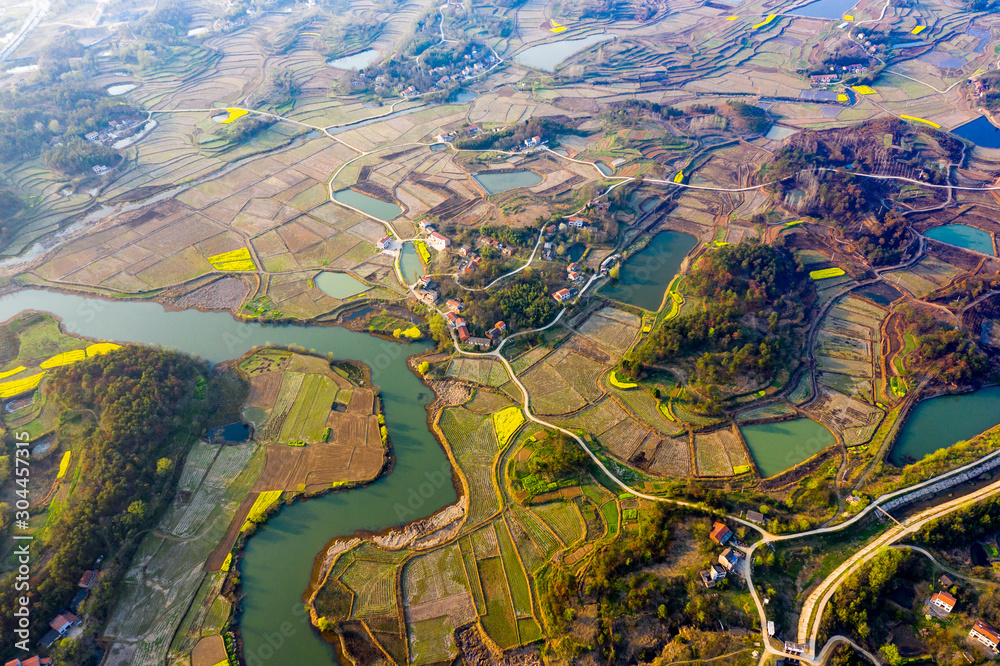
(942, 603)
(63, 624)
(116, 129)
(565, 295)
(454, 308)
(447, 137)
(834, 77)
(732, 559)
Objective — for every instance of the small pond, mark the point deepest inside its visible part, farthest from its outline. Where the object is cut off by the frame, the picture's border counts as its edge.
(779, 446)
(356, 61)
(339, 285)
(494, 183)
(380, 210)
(120, 89)
(547, 57)
(575, 251)
(940, 422)
(644, 276)
(604, 168)
(234, 432)
(980, 132)
(963, 235)
(409, 264)
(827, 9)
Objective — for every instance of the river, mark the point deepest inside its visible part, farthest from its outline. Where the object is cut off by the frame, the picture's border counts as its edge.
(279, 558)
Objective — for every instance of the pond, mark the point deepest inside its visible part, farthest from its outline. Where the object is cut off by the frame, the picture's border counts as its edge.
(409, 264)
(965, 236)
(880, 293)
(120, 89)
(779, 446)
(278, 561)
(604, 168)
(828, 9)
(339, 285)
(940, 422)
(644, 277)
(356, 61)
(980, 131)
(547, 56)
(495, 183)
(575, 251)
(234, 432)
(380, 210)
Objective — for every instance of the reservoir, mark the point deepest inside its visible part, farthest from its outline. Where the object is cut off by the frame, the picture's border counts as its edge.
(495, 183)
(980, 132)
(356, 61)
(547, 56)
(963, 235)
(644, 276)
(279, 558)
(779, 446)
(380, 210)
(940, 422)
(339, 285)
(826, 9)
(409, 264)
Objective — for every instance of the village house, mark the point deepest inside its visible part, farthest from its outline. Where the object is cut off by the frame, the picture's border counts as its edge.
(454, 306)
(731, 559)
(823, 79)
(945, 580)
(856, 68)
(577, 222)
(985, 634)
(462, 329)
(384, 243)
(465, 250)
(480, 342)
(711, 576)
(429, 296)
(426, 225)
(720, 534)
(942, 601)
(64, 622)
(87, 579)
(438, 241)
(755, 517)
(562, 295)
(30, 661)
(573, 272)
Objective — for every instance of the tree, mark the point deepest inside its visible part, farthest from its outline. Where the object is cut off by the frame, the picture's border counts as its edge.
(423, 367)
(891, 654)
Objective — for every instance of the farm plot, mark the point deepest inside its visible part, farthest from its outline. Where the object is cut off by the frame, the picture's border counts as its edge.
(581, 373)
(711, 454)
(647, 408)
(624, 438)
(434, 576)
(499, 622)
(166, 573)
(775, 410)
(545, 539)
(564, 519)
(374, 587)
(597, 418)
(856, 421)
(664, 456)
(612, 329)
(479, 370)
(471, 437)
(306, 421)
(550, 392)
(517, 580)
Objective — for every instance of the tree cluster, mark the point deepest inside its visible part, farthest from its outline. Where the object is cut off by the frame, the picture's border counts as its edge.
(146, 408)
(747, 288)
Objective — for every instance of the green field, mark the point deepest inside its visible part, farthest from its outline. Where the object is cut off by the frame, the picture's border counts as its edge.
(306, 421)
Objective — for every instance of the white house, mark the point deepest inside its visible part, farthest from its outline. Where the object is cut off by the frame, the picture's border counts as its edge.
(438, 241)
(943, 600)
(985, 634)
(384, 243)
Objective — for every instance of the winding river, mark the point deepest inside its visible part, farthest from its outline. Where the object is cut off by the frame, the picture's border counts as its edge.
(279, 558)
